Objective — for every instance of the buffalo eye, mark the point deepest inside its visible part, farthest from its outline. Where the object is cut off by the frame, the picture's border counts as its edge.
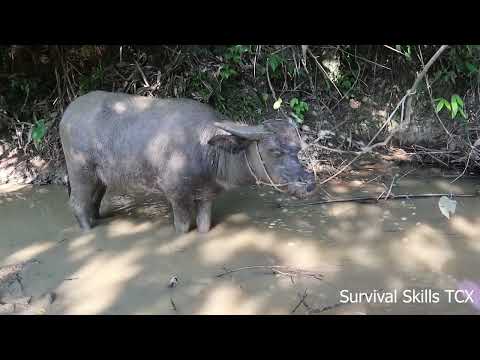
(276, 152)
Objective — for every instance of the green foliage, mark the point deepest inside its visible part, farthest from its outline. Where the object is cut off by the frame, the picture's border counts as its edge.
(274, 61)
(235, 53)
(93, 81)
(455, 106)
(38, 132)
(299, 109)
(234, 59)
(349, 70)
(226, 72)
(292, 71)
(346, 81)
(21, 87)
(238, 103)
(231, 79)
(463, 63)
(405, 50)
(200, 86)
(465, 60)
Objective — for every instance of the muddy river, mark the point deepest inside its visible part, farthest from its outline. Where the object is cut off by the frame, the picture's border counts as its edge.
(394, 257)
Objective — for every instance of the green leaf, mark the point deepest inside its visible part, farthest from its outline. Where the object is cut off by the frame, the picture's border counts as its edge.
(298, 117)
(471, 68)
(347, 84)
(454, 109)
(293, 102)
(447, 105)
(462, 113)
(457, 99)
(274, 61)
(440, 105)
(38, 131)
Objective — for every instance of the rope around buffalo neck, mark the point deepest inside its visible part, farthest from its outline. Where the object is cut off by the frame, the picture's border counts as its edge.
(257, 180)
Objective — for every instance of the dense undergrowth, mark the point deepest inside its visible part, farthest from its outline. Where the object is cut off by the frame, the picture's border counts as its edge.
(340, 96)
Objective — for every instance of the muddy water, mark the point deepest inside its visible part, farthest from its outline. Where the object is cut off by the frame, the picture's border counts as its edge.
(406, 250)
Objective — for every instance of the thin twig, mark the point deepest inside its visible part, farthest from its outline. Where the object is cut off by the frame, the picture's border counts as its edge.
(142, 74)
(420, 76)
(391, 186)
(407, 98)
(270, 85)
(464, 170)
(373, 199)
(360, 70)
(369, 147)
(433, 106)
(173, 304)
(361, 58)
(302, 299)
(323, 70)
(389, 47)
(279, 269)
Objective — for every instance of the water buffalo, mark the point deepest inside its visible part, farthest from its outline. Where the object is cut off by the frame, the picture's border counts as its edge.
(181, 148)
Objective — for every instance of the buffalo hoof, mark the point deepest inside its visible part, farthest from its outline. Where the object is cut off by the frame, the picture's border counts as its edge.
(182, 228)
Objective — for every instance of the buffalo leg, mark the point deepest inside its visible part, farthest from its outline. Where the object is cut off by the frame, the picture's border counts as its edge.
(182, 214)
(97, 199)
(204, 215)
(84, 195)
(81, 202)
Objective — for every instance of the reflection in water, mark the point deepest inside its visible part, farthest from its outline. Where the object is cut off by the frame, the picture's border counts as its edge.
(124, 264)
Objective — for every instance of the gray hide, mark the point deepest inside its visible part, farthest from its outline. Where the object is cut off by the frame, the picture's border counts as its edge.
(179, 147)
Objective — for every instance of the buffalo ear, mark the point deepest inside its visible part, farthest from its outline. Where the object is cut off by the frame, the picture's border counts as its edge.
(229, 143)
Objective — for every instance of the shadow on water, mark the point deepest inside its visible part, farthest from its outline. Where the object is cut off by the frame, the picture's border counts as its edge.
(123, 266)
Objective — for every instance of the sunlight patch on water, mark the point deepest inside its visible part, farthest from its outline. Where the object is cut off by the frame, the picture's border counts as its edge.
(426, 248)
(6, 188)
(470, 229)
(81, 241)
(229, 299)
(345, 210)
(220, 249)
(29, 252)
(101, 280)
(122, 227)
(364, 256)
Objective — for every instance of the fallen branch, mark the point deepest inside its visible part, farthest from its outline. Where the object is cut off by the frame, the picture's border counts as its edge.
(277, 269)
(389, 190)
(145, 81)
(174, 307)
(324, 308)
(302, 299)
(369, 147)
(376, 199)
(413, 89)
(401, 103)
